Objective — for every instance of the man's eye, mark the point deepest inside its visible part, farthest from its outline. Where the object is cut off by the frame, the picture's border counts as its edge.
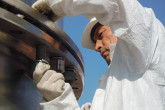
(100, 35)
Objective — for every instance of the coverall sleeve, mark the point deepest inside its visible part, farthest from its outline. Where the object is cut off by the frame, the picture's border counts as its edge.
(66, 101)
(135, 26)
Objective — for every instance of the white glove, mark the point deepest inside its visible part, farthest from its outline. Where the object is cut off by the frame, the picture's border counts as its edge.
(86, 106)
(43, 8)
(49, 82)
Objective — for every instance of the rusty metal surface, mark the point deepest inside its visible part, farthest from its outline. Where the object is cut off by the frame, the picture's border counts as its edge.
(19, 37)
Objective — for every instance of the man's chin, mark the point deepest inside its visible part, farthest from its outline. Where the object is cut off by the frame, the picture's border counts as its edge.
(108, 60)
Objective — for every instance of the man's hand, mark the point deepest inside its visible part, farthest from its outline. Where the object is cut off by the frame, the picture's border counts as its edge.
(41, 6)
(49, 82)
(86, 106)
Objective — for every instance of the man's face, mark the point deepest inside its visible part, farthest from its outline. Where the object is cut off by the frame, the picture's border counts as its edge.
(103, 38)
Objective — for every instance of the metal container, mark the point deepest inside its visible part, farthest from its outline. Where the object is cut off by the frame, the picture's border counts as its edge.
(22, 29)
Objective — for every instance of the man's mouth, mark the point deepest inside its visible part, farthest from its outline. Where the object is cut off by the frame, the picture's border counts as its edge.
(105, 53)
(102, 54)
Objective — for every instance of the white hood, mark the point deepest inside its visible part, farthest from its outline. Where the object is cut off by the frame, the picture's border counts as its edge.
(86, 40)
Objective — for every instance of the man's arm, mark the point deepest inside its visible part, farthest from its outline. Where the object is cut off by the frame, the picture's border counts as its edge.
(57, 94)
(89, 8)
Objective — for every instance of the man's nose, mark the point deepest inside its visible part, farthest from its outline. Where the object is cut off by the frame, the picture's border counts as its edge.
(98, 45)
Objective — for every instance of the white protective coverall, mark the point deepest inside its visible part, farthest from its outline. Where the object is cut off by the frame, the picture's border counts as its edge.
(136, 78)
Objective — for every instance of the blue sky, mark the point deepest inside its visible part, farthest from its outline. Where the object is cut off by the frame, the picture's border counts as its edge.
(94, 65)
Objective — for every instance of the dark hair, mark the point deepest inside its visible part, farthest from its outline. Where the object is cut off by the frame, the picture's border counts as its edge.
(93, 31)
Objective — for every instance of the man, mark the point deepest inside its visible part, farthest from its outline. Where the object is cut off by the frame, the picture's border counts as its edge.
(102, 39)
(135, 79)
